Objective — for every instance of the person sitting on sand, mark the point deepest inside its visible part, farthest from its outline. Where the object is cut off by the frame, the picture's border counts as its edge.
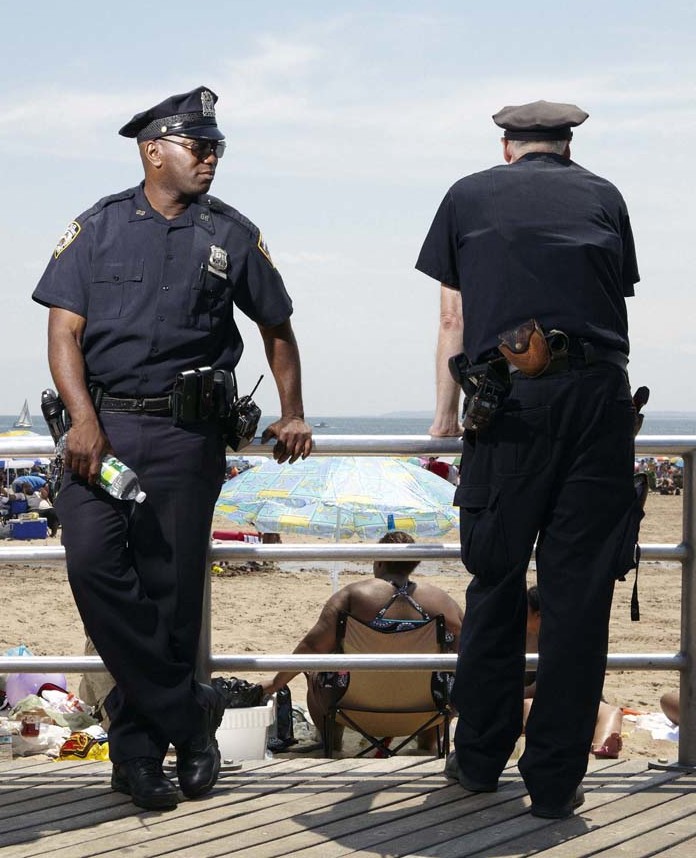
(669, 702)
(606, 742)
(389, 601)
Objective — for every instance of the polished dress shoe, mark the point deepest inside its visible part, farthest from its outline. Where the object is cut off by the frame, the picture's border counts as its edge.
(144, 781)
(198, 760)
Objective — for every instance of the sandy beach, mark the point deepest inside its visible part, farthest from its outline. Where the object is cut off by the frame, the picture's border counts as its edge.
(267, 609)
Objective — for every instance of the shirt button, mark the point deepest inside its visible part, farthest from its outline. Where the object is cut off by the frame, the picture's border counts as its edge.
(165, 288)
(154, 350)
(161, 318)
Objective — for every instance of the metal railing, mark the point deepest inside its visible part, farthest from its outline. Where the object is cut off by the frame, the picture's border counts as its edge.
(683, 661)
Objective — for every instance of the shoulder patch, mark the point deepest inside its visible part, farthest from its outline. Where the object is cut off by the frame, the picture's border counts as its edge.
(263, 247)
(67, 238)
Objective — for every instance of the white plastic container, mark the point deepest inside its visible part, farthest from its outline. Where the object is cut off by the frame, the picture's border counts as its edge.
(243, 733)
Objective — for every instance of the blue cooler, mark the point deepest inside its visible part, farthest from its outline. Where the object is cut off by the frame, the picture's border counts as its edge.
(36, 528)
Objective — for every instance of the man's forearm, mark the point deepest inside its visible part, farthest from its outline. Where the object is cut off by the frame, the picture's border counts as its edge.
(449, 342)
(283, 358)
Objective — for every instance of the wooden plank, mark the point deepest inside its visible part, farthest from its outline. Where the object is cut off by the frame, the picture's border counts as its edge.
(685, 849)
(470, 840)
(168, 834)
(663, 828)
(607, 827)
(117, 811)
(325, 832)
(233, 790)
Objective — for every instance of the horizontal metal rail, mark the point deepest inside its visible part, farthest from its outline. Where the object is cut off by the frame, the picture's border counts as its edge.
(245, 551)
(270, 662)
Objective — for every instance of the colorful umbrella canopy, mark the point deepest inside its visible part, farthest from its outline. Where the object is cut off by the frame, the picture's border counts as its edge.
(341, 498)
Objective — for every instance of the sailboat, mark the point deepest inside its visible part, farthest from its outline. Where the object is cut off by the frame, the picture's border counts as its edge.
(24, 420)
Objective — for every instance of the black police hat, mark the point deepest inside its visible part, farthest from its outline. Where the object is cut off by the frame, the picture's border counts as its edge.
(540, 120)
(190, 114)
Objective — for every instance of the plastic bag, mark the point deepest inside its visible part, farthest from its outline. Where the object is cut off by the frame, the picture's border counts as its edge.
(238, 693)
(48, 741)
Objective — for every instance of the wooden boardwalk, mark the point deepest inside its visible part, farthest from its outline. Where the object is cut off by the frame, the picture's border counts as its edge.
(401, 806)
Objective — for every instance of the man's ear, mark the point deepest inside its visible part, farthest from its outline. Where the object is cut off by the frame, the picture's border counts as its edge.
(151, 153)
(507, 152)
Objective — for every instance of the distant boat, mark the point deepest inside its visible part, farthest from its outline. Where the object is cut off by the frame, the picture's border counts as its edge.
(321, 424)
(24, 420)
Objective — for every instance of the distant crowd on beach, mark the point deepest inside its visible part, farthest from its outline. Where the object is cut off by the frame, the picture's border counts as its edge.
(665, 475)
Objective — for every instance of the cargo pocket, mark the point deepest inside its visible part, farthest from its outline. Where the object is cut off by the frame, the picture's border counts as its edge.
(483, 543)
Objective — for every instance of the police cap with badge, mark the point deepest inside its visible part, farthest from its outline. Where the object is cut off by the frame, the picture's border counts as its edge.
(540, 120)
(189, 114)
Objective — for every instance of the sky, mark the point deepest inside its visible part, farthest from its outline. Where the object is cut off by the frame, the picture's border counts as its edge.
(346, 123)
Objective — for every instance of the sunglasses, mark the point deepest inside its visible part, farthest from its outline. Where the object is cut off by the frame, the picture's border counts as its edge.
(200, 148)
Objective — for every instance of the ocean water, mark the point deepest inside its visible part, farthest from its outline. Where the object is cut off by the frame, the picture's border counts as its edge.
(658, 423)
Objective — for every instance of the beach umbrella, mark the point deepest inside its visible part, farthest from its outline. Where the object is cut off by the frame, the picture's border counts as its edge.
(340, 498)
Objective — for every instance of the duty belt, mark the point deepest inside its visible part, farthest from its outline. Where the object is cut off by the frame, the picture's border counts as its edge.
(582, 353)
(138, 404)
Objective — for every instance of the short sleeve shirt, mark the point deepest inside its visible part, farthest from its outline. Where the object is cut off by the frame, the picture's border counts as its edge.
(159, 295)
(539, 238)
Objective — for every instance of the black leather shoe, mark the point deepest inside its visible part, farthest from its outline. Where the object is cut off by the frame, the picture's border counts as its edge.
(454, 773)
(198, 761)
(144, 781)
(561, 811)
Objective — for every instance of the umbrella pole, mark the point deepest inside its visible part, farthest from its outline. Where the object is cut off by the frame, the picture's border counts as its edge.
(334, 566)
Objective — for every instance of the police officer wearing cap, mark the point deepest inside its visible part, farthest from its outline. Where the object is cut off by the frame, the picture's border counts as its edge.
(142, 287)
(541, 248)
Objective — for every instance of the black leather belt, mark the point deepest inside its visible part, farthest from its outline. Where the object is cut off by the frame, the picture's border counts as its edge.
(138, 404)
(580, 354)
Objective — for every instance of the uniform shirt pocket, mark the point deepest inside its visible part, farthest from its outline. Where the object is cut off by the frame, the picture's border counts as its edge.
(111, 287)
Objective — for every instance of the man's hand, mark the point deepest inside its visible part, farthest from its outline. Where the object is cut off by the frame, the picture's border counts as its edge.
(447, 427)
(85, 448)
(294, 439)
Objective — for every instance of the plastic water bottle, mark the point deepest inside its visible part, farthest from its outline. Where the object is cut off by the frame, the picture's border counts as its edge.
(5, 745)
(119, 480)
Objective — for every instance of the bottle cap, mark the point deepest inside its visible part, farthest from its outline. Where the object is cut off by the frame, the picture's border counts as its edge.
(140, 497)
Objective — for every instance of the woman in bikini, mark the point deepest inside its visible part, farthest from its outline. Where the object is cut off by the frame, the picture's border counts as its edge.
(389, 602)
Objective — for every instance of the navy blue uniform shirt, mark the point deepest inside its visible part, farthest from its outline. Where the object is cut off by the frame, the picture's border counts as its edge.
(158, 294)
(539, 238)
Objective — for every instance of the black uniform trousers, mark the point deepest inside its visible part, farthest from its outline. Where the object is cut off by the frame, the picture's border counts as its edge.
(556, 466)
(137, 573)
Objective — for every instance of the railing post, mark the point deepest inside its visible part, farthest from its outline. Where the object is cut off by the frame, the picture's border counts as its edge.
(687, 683)
(205, 641)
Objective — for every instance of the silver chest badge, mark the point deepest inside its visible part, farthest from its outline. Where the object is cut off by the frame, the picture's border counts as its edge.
(217, 262)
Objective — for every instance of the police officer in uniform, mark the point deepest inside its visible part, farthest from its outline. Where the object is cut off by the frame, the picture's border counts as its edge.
(548, 455)
(141, 287)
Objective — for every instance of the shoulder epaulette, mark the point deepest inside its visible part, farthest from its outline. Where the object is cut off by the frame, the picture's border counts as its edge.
(219, 207)
(104, 202)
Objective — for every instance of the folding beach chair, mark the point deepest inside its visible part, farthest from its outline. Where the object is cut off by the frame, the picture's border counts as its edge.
(381, 704)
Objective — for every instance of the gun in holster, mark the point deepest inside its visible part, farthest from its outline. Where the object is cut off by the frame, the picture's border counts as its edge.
(485, 386)
(209, 395)
(530, 350)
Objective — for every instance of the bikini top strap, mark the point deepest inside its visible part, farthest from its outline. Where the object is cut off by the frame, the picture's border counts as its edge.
(402, 590)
